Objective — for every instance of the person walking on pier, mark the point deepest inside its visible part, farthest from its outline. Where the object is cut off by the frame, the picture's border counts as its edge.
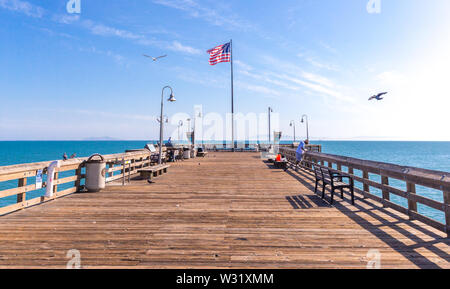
(301, 150)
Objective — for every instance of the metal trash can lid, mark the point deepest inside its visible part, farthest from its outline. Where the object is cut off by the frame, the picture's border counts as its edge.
(92, 160)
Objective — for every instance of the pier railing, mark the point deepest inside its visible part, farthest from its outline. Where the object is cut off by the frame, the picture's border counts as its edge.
(118, 166)
(410, 177)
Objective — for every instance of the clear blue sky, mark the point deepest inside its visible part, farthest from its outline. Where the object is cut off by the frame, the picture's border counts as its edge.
(73, 76)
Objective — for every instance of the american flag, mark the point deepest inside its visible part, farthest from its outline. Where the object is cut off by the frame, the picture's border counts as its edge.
(221, 53)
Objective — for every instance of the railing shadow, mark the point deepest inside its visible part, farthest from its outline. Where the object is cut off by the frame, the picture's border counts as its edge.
(408, 251)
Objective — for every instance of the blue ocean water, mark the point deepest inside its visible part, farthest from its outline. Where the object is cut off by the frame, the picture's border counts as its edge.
(428, 155)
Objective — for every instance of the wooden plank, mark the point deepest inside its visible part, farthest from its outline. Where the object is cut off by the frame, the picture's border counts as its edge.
(16, 191)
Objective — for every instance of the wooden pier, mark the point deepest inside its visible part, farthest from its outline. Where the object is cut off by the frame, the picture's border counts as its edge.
(228, 210)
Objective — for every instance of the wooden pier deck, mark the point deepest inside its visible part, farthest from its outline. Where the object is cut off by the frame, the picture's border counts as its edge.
(229, 210)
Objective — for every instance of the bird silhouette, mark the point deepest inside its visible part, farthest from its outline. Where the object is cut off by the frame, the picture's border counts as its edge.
(65, 157)
(378, 96)
(154, 58)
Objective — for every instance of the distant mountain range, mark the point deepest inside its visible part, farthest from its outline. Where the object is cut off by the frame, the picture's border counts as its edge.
(100, 138)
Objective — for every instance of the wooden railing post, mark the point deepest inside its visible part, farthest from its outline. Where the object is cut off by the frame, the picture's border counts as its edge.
(412, 205)
(386, 195)
(366, 186)
(110, 166)
(123, 171)
(78, 181)
(447, 212)
(350, 171)
(55, 187)
(22, 196)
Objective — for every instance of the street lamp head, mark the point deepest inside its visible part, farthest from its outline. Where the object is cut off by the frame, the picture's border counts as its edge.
(172, 98)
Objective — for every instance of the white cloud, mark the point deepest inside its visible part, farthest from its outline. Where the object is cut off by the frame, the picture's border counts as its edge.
(243, 66)
(103, 30)
(266, 92)
(117, 57)
(23, 7)
(96, 28)
(65, 19)
(177, 46)
(212, 16)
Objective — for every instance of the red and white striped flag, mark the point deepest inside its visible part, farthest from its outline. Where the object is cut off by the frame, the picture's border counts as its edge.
(221, 53)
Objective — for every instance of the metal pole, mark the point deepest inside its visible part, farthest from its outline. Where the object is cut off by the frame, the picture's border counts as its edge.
(294, 130)
(270, 137)
(161, 129)
(232, 97)
(307, 128)
(307, 125)
(161, 126)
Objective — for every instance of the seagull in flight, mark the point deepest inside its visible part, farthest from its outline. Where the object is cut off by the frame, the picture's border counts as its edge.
(378, 96)
(155, 58)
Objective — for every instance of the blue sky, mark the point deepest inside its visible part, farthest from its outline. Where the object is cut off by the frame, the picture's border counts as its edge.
(74, 76)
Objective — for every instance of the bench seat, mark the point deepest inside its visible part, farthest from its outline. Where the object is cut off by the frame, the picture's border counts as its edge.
(154, 171)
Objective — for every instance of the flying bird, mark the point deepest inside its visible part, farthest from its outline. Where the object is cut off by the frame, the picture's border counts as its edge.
(378, 96)
(155, 58)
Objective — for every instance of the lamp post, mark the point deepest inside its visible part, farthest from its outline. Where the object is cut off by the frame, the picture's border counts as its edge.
(189, 124)
(292, 124)
(307, 126)
(180, 124)
(161, 127)
(270, 110)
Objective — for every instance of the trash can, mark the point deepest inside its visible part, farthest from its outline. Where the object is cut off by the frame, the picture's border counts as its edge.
(95, 173)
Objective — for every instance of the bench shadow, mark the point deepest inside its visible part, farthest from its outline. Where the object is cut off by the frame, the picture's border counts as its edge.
(408, 251)
(301, 202)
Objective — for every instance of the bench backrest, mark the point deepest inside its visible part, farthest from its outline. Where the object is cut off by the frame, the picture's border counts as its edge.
(317, 172)
(326, 174)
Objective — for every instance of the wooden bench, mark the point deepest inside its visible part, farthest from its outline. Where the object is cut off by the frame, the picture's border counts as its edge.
(334, 180)
(280, 164)
(202, 154)
(153, 172)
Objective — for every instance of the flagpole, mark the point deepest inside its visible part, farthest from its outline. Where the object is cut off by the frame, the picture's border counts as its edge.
(232, 98)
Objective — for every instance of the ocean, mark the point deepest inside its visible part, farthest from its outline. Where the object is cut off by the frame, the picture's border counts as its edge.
(428, 155)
